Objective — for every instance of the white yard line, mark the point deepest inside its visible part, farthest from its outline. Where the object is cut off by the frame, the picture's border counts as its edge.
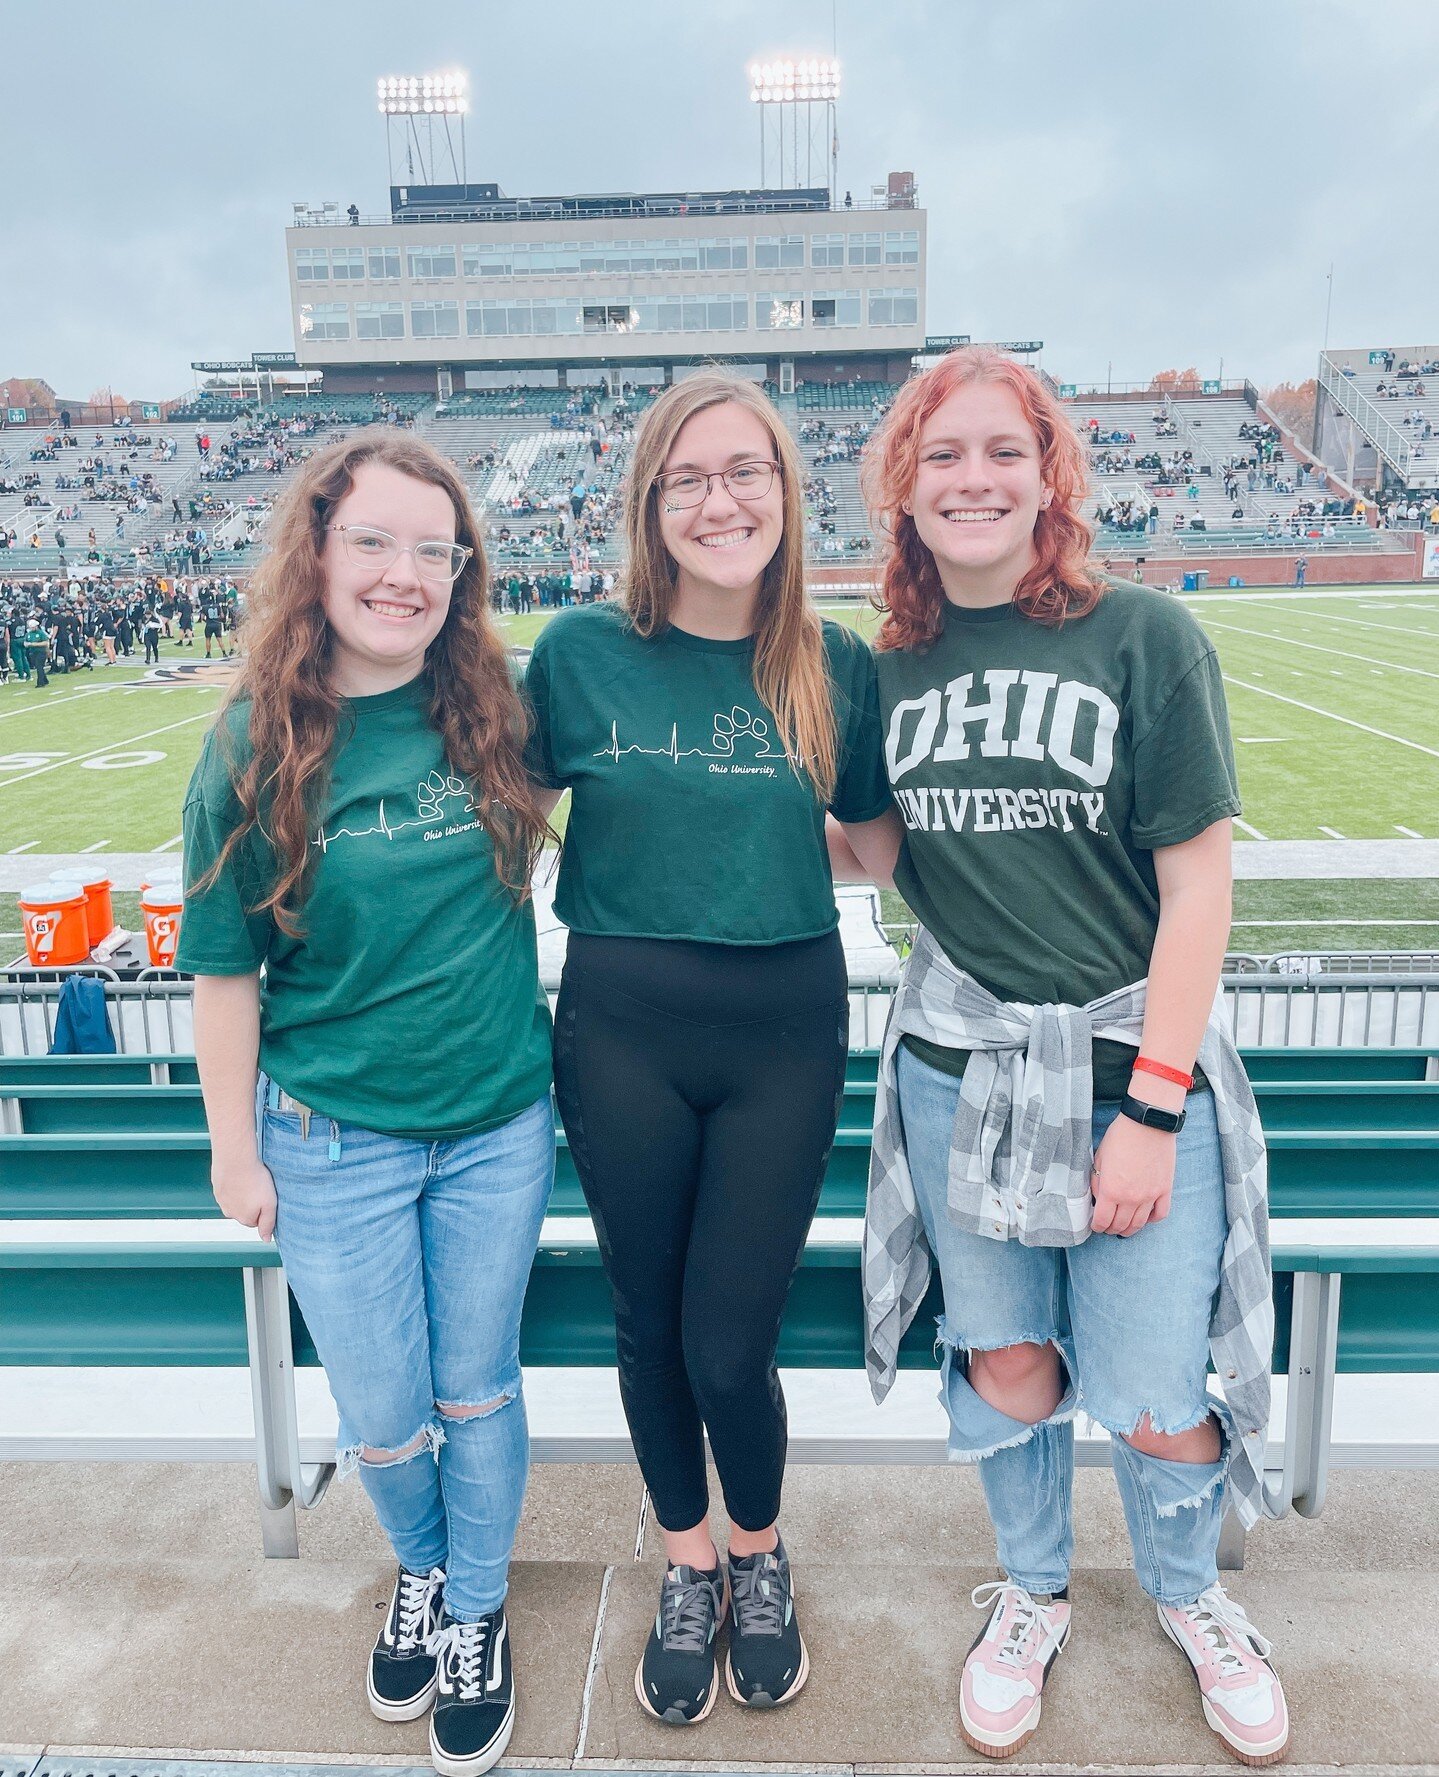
(1332, 832)
(53, 703)
(110, 746)
(170, 844)
(1312, 594)
(1313, 710)
(1319, 648)
(1393, 629)
(15, 850)
(1408, 832)
(1253, 832)
(99, 845)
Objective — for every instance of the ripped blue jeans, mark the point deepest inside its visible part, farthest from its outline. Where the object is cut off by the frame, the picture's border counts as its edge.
(1130, 1318)
(409, 1261)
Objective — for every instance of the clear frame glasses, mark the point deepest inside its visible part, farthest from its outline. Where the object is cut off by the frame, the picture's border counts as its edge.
(368, 547)
(743, 481)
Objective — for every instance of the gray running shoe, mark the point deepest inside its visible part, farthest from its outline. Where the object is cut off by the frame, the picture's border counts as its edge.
(767, 1662)
(677, 1679)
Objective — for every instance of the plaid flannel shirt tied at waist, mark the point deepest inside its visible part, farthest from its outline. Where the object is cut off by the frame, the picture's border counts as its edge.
(1020, 1157)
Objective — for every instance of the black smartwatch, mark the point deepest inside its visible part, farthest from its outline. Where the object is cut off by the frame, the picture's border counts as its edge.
(1150, 1115)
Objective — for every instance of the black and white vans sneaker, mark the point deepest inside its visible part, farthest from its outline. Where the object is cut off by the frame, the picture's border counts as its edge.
(767, 1662)
(677, 1679)
(475, 1703)
(402, 1677)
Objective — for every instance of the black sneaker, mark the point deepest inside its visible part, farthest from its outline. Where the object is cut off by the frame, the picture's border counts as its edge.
(677, 1679)
(767, 1662)
(475, 1704)
(402, 1677)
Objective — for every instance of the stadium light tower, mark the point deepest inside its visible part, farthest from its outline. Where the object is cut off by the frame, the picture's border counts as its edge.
(425, 108)
(783, 90)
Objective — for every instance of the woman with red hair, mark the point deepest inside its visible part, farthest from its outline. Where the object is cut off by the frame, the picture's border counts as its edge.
(1062, 1123)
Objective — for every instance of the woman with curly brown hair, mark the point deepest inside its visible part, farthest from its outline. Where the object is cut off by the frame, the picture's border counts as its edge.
(361, 827)
(1062, 1124)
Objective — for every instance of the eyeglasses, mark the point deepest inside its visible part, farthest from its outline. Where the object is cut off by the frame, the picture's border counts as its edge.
(745, 481)
(375, 549)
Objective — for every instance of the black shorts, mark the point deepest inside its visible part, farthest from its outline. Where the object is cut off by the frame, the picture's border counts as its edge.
(212, 629)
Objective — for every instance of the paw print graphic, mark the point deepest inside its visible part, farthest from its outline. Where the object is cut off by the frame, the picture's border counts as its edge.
(739, 722)
(433, 791)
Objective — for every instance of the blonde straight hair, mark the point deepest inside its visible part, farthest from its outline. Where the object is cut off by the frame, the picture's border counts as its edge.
(791, 670)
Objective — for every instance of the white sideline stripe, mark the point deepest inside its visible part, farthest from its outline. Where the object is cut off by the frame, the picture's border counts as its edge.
(1299, 924)
(110, 746)
(1408, 832)
(15, 850)
(179, 839)
(1310, 594)
(1319, 648)
(1314, 710)
(1333, 832)
(1253, 832)
(99, 845)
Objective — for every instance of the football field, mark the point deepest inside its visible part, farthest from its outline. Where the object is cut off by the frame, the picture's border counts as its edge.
(1333, 695)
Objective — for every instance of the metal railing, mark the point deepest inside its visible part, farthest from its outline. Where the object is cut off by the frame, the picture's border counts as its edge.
(1376, 426)
(1359, 1000)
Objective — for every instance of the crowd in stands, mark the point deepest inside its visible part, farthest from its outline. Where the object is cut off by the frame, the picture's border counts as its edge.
(49, 626)
(518, 591)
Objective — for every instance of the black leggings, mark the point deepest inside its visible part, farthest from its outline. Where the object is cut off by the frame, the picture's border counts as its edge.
(700, 1085)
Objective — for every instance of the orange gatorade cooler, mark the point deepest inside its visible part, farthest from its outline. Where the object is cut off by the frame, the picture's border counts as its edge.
(99, 907)
(161, 904)
(56, 932)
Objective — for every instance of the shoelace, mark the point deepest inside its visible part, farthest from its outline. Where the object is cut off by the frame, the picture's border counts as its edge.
(1214, 1613)
(463, 1649)
(687, 1609)
(758, 1597)
(417, 1592)
(1017, 1648)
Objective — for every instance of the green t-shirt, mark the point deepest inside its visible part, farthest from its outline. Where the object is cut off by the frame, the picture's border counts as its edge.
(686, 819)
(1036, 770)
(411, 1004)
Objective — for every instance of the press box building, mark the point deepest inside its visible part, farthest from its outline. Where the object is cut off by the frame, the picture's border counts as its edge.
(462, 287)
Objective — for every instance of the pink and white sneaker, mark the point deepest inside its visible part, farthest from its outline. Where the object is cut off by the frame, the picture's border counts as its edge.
(1005, 1670)
(1243, 1698)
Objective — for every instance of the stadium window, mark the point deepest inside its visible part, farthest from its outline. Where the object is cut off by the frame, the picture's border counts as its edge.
(384, 262)
(434, 320)
(772, 251)
(669, 315)
(779, 312)
(864, 249)
(826, 249)
(893, 308)
(485, 262)
(487, 318)
(347, 263)
(325, 320)
(432, 262)
(608, 318)
(312, 265)
(727, 314)
(849, 308)
(901, 247)
(823, 311)
(379, 320)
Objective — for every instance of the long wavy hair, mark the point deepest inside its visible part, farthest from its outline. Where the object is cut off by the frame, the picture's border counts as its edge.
(294, 710)
(1061, 582)
(791, 670)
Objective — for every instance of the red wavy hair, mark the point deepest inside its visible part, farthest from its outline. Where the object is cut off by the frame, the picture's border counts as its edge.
(1060, 584)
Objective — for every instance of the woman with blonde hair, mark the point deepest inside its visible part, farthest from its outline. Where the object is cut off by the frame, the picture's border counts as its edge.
(1062, 1123)
(703, 728)
(361, 826)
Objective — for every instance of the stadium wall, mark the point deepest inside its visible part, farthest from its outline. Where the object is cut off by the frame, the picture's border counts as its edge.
(1395, 567)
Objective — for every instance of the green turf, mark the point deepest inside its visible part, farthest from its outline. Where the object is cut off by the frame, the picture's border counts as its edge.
(1308, 680)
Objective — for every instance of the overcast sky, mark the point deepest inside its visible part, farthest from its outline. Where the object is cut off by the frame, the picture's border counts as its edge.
(1141, 184)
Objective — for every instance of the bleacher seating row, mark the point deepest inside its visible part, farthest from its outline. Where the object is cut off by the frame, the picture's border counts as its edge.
(862, 394)
(115, 1253)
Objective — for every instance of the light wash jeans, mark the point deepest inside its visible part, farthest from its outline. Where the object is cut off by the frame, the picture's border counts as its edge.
(409, 1260)
(1130, 1317)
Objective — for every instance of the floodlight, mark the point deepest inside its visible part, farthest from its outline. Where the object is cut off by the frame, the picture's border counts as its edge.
(811, 80)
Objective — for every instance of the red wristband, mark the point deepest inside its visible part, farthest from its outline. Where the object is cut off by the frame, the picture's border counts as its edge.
(1143, 1065)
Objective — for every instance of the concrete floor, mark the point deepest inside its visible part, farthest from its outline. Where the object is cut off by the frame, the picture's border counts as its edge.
(136, 1613)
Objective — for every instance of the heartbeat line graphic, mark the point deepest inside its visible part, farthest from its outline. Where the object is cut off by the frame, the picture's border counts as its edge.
(738, 722)
(431, 796)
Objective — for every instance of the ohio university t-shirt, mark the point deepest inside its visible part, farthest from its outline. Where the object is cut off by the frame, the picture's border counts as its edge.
(686, 818)
(411, 1003)
(1037, 770)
